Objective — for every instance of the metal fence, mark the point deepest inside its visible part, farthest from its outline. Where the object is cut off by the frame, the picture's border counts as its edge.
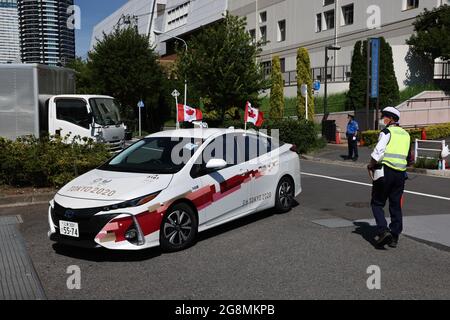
(442, 70)
(431, 150)
(335, 74)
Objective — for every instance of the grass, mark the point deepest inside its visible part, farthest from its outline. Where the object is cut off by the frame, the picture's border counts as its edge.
(336, 102)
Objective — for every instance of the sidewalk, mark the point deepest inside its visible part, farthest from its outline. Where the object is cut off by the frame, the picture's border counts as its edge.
(336, 153)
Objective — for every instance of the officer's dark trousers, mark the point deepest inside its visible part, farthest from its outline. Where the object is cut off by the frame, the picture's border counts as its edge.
(352, 147)
(390, 187)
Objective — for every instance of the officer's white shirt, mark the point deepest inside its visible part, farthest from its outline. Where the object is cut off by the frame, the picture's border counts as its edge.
(380, 149)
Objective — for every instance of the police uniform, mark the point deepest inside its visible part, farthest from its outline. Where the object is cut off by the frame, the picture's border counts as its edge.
(391, 154)
(352, 132)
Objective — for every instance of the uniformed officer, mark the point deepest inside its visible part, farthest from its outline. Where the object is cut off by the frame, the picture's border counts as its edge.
(389, 161)
(352, 134)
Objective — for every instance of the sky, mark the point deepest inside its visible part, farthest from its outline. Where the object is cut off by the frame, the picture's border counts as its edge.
(92, 12)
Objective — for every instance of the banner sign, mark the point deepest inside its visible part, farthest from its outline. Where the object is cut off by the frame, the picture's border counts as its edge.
(375, 82)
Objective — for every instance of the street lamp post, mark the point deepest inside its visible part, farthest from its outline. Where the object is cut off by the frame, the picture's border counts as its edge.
(325, 98)
(157, 32)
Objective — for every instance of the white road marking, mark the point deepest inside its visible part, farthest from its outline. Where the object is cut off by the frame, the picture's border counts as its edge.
(369, 185)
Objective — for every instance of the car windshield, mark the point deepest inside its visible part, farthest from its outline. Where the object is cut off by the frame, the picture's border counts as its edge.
(106, 111)
(155, 156)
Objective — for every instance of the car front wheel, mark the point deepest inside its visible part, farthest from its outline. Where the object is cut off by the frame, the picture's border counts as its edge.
(285, 195)
(178, 228)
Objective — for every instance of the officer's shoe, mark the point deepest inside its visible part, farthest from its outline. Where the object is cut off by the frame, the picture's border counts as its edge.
(384, 239)
(394, 243)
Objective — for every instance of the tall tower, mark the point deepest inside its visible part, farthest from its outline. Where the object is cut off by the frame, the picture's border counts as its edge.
(9, 32)
(44, 34)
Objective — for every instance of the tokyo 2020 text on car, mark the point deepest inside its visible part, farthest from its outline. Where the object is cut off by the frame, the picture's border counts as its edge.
(171, 185)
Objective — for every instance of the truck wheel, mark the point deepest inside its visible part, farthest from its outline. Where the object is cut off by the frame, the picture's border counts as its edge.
(178, 228)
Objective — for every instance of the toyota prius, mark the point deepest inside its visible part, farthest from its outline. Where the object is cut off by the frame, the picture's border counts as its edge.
(166, 188)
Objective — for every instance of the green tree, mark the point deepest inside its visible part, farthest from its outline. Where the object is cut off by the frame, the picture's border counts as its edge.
(221, 67)
(125, 66)
(276, 90)
(388, 89)
(356, 96)
(431, 39)
(304, 77)
(84, 83)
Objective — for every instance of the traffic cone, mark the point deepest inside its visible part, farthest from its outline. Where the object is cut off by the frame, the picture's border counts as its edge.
(424, 134)
(362, 143)
(338, 137)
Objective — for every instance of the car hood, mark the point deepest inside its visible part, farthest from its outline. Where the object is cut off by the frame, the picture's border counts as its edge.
(114, 186)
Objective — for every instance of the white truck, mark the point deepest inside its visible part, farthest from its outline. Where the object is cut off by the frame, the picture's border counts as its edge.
(37, 99)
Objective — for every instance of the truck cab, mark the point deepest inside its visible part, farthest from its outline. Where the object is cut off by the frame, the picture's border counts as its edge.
(92, 116)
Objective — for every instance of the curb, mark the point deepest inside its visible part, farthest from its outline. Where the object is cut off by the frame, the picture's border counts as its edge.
(425, 172)
(25, 200)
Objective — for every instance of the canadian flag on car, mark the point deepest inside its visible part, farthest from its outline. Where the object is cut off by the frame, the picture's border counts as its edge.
(253, 115)
(188, 114)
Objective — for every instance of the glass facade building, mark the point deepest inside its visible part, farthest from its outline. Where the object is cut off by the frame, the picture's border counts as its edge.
(44, 33)
(9, 32)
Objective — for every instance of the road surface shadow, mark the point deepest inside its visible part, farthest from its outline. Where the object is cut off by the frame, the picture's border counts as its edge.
(368, 233)
(105, 255)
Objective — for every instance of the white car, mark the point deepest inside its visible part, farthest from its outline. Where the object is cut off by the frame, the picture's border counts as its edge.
(166, 188)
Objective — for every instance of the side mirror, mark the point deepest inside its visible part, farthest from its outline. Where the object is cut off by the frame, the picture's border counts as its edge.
(216, 164)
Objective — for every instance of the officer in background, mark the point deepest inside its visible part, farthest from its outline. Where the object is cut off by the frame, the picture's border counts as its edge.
(352, 138)
(388, 165)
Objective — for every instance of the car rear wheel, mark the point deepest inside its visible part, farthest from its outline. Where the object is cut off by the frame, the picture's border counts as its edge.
(178, 228)
(285, 195)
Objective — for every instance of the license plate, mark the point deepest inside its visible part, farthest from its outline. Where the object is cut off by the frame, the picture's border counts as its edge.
(69, 229)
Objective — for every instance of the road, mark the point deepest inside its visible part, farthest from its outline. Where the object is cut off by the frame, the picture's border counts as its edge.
(266, 256)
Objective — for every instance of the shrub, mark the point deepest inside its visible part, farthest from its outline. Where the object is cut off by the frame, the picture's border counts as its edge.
(304, 77)
(424, 163)
(277, 91)
(47, 162)
(433, 133)
(301, 133)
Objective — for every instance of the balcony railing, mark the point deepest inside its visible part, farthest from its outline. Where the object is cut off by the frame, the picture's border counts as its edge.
(335, 74)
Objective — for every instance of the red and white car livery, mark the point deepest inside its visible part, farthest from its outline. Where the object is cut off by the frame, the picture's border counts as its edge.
(171, 185)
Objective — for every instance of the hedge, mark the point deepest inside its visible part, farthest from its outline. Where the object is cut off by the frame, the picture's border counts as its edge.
(301, 133)
(31, 162)
(433, 133)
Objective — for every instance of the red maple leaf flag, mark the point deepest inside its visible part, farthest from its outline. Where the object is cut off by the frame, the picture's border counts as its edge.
(253, 115)
(188, 114)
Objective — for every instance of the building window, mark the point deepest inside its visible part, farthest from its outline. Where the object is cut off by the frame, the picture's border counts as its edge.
(263, 31)
(410, 4)
(329, 19)
(263, 17)
(281, 36)
(319, 22)
(252, 33)
(267, 68)
(283, 65)
(327, 2)
(348, 14)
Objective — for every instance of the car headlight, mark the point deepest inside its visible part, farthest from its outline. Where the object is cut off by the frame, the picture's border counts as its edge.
(133, 203)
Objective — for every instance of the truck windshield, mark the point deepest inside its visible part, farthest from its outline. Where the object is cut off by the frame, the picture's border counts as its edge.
(106, 111)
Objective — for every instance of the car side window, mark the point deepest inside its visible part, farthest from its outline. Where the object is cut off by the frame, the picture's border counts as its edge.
(257, 146)
(223, 147)
(73, 111)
